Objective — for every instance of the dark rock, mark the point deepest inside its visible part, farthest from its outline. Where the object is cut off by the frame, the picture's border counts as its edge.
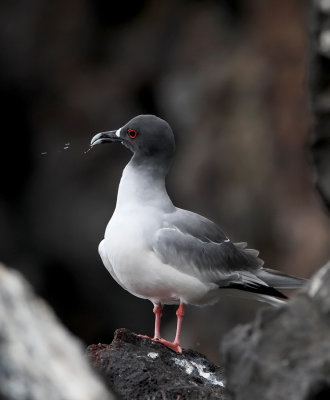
(285, 353)
(138, 368)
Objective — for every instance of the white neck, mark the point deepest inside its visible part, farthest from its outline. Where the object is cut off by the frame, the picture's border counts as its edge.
(143, 185)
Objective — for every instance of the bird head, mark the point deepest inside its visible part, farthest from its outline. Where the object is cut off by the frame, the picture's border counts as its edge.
(145, 135)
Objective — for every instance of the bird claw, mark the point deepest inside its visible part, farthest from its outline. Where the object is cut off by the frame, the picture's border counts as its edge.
(171, 345)
(145, 336)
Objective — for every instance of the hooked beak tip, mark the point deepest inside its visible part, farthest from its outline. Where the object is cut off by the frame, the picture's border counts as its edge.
(95, 140)
(105, 137)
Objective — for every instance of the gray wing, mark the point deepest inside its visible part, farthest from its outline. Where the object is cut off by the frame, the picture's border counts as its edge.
(197, 246)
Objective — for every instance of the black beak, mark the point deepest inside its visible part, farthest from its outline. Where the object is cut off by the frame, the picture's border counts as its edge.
(106, 137)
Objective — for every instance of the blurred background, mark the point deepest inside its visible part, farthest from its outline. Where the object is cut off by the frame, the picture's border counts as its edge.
(230, 76)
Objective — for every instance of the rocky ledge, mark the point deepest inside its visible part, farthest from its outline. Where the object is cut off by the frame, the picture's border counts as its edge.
(139, 368)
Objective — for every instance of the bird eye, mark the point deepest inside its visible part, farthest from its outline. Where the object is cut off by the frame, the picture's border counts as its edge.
(132, 133)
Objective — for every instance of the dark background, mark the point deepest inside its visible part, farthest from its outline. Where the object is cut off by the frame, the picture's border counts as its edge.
(231, 79)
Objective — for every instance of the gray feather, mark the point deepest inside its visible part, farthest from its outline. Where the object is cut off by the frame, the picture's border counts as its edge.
(197, 246)
(280, 280)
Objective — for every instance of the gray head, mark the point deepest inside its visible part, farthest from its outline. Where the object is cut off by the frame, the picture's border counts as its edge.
(147, 136)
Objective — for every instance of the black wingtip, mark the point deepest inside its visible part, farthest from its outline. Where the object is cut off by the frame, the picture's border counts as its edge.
(259, 289)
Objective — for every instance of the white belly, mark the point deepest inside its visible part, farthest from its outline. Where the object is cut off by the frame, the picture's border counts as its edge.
(138, 269)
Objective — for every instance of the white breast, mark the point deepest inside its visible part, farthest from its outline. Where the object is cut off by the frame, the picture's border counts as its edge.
(138, 270)
(128, 248)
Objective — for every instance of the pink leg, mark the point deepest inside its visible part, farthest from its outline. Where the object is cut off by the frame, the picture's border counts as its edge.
(176, 344)
(158, 314)
(158, 311)
(179, 314)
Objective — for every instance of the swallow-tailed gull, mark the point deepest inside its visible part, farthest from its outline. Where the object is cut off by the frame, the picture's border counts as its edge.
(168, 255)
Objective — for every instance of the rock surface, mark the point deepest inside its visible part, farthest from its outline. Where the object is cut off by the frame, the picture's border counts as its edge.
(285, 353)
(138, 368)
(39, 359)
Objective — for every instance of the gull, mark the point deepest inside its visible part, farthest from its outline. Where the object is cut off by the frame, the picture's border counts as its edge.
(166, 254)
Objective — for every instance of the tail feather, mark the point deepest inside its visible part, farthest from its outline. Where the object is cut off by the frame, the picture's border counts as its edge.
(273, 301)
(279, 280)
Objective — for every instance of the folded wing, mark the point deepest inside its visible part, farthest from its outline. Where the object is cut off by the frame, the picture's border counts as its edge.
(198, 247)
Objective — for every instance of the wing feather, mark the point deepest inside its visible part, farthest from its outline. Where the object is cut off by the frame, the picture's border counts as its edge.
(197, 246)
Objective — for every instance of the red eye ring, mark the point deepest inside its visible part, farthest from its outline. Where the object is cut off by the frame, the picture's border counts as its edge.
(132, 133)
